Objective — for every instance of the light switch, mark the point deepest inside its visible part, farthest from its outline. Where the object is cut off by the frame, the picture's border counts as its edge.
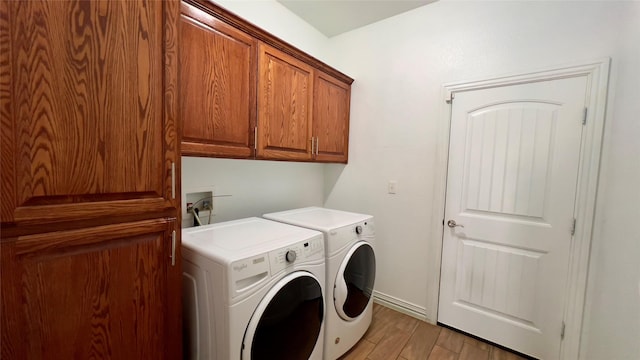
(392, 187)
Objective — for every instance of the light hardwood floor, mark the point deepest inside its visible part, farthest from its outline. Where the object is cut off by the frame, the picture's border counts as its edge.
(393, 335)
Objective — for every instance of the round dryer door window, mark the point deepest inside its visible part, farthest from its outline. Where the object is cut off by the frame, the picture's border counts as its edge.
(287, 323)
(354, 281)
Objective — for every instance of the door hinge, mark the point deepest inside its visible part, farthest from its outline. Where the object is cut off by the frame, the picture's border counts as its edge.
(173, 180)
(573, 227)
(562, 331)
(173, 248)
(449, 97)
(584, 118)
(255, 138)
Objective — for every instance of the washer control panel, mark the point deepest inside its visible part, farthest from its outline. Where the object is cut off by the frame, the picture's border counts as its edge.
(309, 250)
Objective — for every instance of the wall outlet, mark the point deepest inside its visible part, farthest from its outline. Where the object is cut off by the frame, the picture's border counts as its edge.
(201, 200)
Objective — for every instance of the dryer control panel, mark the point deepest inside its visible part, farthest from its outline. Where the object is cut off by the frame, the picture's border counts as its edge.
(304, 251)
(338, 239)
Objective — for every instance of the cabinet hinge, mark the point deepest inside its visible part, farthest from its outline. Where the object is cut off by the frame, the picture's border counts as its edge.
(573, 227)
(173, 180)
(255, 138)
(449, 97)
(173, 248)
(562, 331)
(584, 117)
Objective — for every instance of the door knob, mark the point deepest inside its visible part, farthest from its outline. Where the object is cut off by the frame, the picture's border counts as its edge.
(452, 224)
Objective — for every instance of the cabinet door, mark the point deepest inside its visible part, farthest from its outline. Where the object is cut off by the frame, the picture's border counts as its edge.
(331, 118)
(107, 292)
(285, 90)
(217, 86)
(88, 97)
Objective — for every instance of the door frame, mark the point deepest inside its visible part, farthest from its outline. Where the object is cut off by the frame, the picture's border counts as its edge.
(597, 73)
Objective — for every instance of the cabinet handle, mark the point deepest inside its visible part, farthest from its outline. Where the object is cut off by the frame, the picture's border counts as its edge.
(313, 141)
(317, 145)
(255, 138)
(173, 180)
(173, 248)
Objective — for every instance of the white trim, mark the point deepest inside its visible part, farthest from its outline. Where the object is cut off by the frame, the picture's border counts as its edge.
(597, 73)
(402, 306)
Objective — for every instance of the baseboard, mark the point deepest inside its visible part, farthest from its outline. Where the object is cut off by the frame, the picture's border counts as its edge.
(402, 306)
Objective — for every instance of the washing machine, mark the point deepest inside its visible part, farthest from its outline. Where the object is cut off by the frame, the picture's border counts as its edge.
(253, 289)
(351, 271)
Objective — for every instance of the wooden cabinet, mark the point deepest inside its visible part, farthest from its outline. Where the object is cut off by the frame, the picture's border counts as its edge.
(331, 102)
(302, 104)
(87, 109)
(89, 143)
(217, 86)
(92, 293)
(285, 98)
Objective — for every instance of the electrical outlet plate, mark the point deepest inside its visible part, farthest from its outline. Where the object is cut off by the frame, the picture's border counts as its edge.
(198, 199)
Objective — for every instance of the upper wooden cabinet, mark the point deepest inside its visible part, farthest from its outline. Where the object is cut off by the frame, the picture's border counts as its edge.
(88, 109)
(238, 95)
(217, 86)
(331, 102)
(285, 98)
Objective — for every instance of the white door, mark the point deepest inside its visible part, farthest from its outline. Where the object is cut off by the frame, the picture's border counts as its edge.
(511, 187)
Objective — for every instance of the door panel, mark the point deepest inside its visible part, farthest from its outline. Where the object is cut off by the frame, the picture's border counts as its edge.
(331, 118)
(218, 86)
(511, 184)
(354, 282)
(284, 106)
(92, 293)
(86, 132)
(287, 324)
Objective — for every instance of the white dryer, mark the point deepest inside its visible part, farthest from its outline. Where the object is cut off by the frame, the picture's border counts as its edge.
(351, 271)
(253, 289)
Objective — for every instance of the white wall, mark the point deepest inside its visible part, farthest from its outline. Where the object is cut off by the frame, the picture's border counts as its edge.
(399, 66)
(612, 328)
(273, 17)
(256, 186)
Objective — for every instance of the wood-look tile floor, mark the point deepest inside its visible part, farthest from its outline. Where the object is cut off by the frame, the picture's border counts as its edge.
(393, 335)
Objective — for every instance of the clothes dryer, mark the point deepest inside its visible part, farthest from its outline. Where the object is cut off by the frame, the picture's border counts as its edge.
(253, 289)
(351, 270)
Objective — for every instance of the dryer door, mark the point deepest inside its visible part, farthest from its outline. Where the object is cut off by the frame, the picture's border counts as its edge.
(287, 322)
(354, 281)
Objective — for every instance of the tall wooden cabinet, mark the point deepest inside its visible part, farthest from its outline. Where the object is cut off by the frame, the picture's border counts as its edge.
(89, 141)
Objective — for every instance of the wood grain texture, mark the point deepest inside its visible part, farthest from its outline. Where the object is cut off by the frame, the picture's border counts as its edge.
(285, 95)
(421, 342)
(88, 107)
(472, 352)
(91, 293)
(267, 38)
(218, 66)
(331, 104)
(7, 165)
(389, 332)
(172, 281)
(172, 129)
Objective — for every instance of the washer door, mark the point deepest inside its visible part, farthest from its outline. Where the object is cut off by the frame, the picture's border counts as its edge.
(287, 322)
(354, 281)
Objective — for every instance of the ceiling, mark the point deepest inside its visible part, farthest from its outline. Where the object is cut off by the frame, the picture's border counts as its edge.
(333, 17)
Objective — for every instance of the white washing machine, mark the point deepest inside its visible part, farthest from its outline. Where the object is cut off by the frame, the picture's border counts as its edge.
(351, 271)
(253, 289)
